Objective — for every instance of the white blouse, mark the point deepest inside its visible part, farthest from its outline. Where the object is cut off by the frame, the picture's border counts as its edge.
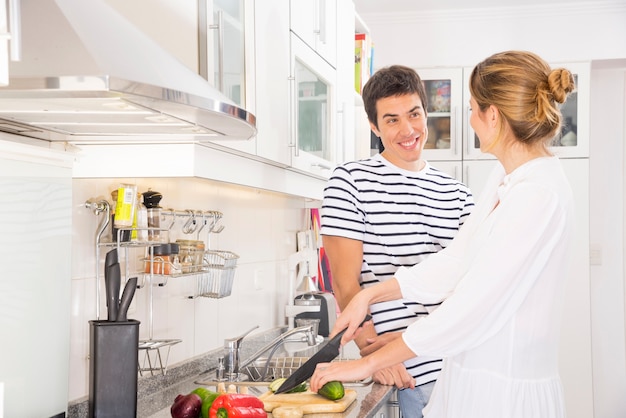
(502, 280)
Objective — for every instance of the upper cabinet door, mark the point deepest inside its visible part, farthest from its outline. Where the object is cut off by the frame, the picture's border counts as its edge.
(315, 22)
(313, 112)
(226, 47)
(444, 93)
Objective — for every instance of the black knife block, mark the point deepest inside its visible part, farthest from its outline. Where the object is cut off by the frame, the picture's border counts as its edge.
(113, 368)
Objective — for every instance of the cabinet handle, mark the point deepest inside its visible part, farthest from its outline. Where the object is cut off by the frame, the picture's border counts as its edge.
(293, 116)
(220, 48)
(455, 135)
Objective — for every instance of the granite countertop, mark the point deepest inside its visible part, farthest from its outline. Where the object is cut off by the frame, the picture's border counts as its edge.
(370, 398)
(156, 393)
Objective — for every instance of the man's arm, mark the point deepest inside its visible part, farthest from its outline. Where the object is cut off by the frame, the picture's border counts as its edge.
(345, 256)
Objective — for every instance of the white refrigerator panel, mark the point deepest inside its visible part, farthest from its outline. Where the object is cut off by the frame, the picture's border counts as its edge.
(35, 243)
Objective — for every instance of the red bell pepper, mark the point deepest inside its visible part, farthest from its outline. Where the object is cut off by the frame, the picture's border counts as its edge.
(237, 405)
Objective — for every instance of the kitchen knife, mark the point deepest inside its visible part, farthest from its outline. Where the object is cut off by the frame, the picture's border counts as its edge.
(127, 298)
(324, 355)
(112, 283)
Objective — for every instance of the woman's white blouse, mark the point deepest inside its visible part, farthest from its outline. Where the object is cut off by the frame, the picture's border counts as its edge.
(502, 280)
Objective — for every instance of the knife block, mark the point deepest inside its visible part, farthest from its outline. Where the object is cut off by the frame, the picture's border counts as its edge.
(113, 368)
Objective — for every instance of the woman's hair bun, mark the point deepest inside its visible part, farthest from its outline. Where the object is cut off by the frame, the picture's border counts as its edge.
(561, 83)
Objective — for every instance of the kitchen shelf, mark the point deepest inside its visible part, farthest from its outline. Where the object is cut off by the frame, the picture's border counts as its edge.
(214, 273)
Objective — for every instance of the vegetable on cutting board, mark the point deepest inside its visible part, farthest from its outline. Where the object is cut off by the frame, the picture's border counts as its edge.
(333, 390)
(278, 383)
(237, 405)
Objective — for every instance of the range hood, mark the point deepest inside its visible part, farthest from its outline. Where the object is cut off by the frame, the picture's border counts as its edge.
(87, 75)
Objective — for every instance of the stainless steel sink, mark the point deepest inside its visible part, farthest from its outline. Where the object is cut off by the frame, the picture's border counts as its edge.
(277, 367)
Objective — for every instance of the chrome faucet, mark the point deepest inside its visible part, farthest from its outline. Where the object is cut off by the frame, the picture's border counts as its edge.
(310, 339)
(231, 355)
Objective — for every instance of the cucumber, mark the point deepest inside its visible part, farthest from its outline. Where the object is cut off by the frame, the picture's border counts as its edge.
(278, 382)
(333, 390)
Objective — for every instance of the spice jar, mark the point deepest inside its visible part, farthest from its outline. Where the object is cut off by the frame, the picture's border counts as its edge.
(160, 262)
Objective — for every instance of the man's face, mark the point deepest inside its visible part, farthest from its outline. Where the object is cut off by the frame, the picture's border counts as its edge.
(402, 129)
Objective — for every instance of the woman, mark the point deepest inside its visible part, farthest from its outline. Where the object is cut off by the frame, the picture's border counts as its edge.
(500, 279)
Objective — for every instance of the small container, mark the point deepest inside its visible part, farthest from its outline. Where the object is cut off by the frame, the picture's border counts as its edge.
(160, 262)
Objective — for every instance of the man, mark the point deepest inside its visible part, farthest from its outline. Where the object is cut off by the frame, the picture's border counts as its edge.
(387, 211)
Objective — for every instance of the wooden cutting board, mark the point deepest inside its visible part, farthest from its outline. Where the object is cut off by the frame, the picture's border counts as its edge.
(288, 405)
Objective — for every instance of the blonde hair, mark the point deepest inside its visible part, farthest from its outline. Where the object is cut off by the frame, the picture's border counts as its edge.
(526, 92)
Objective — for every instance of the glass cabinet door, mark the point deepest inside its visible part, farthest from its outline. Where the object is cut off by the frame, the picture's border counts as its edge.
(313, 110)
(223, 50)
(443, 91)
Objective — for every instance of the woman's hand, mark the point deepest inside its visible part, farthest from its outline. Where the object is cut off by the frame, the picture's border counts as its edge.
(343, 371)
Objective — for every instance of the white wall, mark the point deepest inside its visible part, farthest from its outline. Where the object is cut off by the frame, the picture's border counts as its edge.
(259, 226)
(580, 31)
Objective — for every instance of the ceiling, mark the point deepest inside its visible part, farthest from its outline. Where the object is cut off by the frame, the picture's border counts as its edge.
(398, 6)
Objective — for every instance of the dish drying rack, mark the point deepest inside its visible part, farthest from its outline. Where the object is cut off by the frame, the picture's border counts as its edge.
(214, 274)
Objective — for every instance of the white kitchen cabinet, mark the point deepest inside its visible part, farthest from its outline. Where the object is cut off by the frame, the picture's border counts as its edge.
(315, 22)
(272, 59)
(304, 117)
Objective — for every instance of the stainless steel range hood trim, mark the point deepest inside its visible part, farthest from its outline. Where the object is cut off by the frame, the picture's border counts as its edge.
(205, 114)
(39, 86)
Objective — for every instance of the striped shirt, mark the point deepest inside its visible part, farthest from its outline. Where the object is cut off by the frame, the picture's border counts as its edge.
(401, 217)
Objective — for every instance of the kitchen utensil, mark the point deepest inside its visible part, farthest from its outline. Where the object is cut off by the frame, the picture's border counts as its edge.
(299, 404)
(127, 298)
(326, 354)
(112, 283)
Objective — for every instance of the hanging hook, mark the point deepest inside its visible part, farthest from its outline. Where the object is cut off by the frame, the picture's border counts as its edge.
(191, 224)
(202, 225)
(217, 217)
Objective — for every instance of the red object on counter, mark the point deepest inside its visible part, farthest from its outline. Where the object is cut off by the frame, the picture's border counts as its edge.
(235, 405)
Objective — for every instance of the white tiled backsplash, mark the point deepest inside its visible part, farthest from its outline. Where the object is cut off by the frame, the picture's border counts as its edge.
(260, 227)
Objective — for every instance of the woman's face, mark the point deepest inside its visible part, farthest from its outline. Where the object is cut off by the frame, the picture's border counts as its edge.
(481, 125)
(402, 129)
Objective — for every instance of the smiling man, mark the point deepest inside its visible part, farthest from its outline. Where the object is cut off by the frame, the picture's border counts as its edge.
(391, 210)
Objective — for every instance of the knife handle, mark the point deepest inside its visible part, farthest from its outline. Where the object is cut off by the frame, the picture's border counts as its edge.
(127, 297)
(112, 279)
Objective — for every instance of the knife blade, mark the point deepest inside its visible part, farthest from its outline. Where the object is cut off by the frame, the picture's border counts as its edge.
(324, 355)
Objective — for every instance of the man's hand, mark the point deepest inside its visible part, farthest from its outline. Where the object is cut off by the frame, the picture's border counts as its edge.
(395, 376)
(373, 344)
